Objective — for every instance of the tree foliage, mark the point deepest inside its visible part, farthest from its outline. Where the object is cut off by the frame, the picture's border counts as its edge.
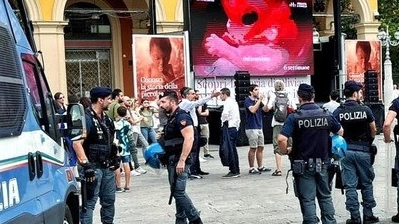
(348, 19)
(389, 17)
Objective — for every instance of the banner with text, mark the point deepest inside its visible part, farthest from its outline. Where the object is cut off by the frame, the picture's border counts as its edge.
(158, 64)
(362, 55)
(205, 86)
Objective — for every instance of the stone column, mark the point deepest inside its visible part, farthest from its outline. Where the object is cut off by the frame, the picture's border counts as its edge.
(367, 30)
(49, 38)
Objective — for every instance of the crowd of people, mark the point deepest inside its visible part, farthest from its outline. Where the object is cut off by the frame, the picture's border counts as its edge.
(179, 120)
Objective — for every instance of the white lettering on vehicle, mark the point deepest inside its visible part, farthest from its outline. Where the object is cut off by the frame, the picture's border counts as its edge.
(10, 194)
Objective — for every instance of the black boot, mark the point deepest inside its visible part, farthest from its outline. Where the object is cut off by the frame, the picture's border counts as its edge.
(181, 221)
(370, 219)
(354, 221)
(197, 221)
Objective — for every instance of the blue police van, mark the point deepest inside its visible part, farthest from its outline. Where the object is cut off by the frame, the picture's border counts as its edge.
(37, 181)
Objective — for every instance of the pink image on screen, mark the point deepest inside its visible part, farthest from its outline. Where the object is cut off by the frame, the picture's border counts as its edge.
(261, 37)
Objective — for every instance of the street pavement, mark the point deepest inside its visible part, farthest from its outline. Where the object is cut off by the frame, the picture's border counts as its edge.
(247, 199)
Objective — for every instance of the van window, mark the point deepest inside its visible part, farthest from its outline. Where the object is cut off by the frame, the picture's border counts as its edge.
(40, 95)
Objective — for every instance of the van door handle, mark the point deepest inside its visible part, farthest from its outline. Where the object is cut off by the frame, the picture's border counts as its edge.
(31, 166)
(39, 164)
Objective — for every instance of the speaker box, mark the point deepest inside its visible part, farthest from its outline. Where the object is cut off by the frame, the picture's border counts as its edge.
(242, 75)
(242, 83)
(370, 86)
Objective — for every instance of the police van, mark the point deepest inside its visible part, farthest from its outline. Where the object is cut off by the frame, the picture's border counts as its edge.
(37, 183)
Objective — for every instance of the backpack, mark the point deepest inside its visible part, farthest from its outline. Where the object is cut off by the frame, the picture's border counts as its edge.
(280, 106)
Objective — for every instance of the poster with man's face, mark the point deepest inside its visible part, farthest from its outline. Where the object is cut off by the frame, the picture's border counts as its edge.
(266, 38)
(158, 65)
(363, 55)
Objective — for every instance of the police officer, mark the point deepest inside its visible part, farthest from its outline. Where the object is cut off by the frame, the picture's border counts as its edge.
(310, 128)
(178, 139)
(358, 123)
(97, 158)
(393, 112)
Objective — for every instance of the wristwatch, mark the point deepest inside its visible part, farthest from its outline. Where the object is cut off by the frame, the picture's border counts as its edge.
(85, 161)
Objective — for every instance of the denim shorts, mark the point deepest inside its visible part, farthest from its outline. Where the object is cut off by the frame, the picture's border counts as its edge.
(126, 159)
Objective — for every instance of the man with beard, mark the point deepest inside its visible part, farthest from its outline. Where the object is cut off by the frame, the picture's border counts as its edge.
(178, 139)
(189, 103)
(97, 158)
(117, 99)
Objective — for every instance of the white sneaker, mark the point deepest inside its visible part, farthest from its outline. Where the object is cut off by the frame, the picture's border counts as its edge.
(141, 170)
(202, 160)
(134, 173)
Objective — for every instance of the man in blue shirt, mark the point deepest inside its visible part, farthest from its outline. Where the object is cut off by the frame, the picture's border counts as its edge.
(310, 157)
(254, 129)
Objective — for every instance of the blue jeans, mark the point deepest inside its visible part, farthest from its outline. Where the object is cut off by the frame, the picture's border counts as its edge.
(309, 186)
(357, 169)
(184, 207)
(133, 138)
(149, 134)
(195, 167)
(234, 165)
(104, 188)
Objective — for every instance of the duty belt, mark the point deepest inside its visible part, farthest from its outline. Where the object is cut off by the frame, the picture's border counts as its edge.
(358, 148)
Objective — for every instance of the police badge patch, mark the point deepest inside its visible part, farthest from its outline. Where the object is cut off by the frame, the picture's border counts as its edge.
(183, 122)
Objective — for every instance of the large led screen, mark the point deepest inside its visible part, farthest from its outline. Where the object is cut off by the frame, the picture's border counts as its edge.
(264, 37)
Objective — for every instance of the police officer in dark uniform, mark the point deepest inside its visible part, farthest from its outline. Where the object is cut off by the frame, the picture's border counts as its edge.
(98, 158)
(393, 112)
(310, 157)
(178, 138)
(358, 123)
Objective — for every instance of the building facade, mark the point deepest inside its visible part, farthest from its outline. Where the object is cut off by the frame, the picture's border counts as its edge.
(89, 42)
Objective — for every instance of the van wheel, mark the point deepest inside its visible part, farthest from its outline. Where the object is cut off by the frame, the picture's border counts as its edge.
(68, 219)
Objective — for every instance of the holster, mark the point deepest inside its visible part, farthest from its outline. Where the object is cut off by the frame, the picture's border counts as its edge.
(339, 184)
(298, 167)
(373, 153)
(332, 169)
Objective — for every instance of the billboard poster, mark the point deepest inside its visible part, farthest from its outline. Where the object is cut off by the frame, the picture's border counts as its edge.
(266, 38)
(363, 55)
(158, 64)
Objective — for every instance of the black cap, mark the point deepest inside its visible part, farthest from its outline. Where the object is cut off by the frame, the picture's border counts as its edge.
(306, 88)
(353, 85)
(100, 92)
